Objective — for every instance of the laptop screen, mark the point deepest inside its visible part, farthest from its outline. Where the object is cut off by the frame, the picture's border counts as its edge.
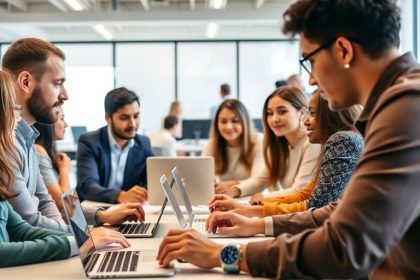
(78, 225)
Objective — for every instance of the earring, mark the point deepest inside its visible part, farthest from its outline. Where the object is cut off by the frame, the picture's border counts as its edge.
(347, 65)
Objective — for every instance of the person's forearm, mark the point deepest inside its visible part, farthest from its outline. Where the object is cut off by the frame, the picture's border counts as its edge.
(64, 181)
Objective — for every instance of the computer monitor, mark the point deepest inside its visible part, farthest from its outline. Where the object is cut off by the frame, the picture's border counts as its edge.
(195, 129)
(77, 131)
(258, 125)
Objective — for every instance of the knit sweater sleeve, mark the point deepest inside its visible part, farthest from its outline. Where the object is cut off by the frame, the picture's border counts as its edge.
(295, 202)
(29, 244)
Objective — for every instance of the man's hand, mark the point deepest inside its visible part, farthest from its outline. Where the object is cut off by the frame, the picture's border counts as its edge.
(190, 246)
(135, 194)
(234, 223)
(130, 211)
(103, 237)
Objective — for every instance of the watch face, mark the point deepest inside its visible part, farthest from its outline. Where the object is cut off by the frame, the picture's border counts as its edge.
(229, 255)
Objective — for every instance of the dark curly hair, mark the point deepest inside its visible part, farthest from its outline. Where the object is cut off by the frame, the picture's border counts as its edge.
(373, 24)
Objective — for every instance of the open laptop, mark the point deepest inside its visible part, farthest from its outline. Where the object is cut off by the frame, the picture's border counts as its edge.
(194, 222)
(199, 178)
(141, 230)
(108, 264)
(77, 131)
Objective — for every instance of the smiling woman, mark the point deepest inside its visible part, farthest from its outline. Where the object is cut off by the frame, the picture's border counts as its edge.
(235, 146)
(288, 155)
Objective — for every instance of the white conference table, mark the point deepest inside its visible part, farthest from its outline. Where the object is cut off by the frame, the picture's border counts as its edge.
(72, 268)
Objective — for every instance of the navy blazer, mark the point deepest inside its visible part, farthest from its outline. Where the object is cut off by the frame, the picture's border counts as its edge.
(94, 166)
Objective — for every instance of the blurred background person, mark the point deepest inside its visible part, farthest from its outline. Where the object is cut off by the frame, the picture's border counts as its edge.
(176, 110)
(224, 95)
(163, 142)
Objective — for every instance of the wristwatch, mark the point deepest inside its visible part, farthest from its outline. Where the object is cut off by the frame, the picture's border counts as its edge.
(229, 257)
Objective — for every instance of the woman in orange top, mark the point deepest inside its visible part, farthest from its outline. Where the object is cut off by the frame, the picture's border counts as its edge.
(341, 148)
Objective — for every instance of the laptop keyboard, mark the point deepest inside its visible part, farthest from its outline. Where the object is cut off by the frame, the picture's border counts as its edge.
(133, 228)
(120, 261)
(199, 224)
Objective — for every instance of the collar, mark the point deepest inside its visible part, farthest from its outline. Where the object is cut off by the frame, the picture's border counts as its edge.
(27, 133)
(113, 143)
(395, 69)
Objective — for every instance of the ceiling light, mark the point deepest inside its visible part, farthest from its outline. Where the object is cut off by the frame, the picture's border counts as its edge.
(218, 4)
(75, 5)
(103, 31)
(212, 29)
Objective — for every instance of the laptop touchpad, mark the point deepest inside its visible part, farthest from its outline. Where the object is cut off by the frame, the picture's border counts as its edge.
(149, 258)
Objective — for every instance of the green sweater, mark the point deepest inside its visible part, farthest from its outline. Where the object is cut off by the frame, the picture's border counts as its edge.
(20, 243)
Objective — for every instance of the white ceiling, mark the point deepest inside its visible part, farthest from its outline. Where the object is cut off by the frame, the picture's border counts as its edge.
(55, 20)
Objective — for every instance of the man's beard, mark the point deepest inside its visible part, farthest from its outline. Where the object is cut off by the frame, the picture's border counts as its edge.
(120, 135)
(39, 109)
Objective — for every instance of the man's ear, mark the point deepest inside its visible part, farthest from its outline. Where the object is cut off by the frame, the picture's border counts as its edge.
(25, 82)
(345, 50)
(108, 118)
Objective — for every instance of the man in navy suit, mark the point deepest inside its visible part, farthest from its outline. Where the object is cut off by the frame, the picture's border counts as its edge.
(111, 161)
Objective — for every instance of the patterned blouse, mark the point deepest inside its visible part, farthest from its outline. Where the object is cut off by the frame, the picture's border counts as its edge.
(341, 153)
(339, 158)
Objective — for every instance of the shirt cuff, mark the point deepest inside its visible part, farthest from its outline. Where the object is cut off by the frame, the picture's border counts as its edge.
(269, 226)
(74, 249)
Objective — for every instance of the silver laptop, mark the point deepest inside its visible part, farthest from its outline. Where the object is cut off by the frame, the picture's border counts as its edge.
(198, 175)
(108, 264)
(141, 230)
(194, 222)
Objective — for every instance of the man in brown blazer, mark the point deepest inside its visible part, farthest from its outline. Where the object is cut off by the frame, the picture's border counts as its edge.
(350, 49)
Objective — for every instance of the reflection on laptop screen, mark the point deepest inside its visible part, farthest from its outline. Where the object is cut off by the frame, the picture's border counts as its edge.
(75, 217)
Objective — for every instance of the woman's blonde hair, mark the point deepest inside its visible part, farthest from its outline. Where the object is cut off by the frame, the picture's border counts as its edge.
(276, 149)
(7, 124)
(218, 145)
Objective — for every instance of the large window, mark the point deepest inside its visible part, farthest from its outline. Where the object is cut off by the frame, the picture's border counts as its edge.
(3, 49)
(149, 70)
(90, 75)
(160, 72)
(416, 23)
(261, 64)
(202, 68)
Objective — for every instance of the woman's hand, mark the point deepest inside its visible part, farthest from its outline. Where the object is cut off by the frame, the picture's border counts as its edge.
(64, 163)
(234, 223)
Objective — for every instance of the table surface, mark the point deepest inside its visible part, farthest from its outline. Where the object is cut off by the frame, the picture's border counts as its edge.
(72, 267)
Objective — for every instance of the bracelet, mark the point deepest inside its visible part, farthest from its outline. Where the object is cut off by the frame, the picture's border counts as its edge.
(97, 221)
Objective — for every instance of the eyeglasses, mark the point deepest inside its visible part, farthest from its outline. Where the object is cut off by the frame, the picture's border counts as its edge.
(306, 63)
